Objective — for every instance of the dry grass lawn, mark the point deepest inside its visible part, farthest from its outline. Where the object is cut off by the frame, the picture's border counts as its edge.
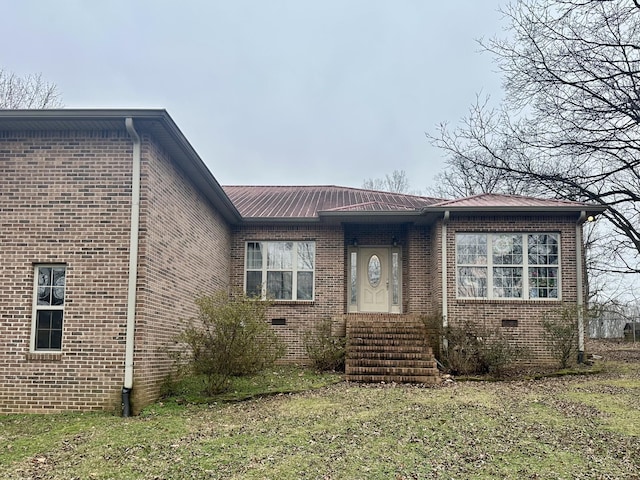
(582, 426)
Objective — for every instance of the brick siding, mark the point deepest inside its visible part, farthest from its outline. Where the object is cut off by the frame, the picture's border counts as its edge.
(332, 244)
(528, 313)
(329, 299)
(66, 198)
(184, 251)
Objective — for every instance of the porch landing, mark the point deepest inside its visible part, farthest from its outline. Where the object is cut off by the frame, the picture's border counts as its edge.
(388, 348)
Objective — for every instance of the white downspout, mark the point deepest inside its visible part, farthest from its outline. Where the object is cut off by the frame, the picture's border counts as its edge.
(445, 310)
(579, 284)
(133, 269)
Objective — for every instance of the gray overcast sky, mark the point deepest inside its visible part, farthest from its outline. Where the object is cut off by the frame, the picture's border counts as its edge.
(271, 92)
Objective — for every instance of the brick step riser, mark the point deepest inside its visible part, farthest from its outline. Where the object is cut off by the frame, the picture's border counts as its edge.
(370, 334)
(391, 371)
(374, 362)
(376, 351)
(386, 355)
(389, 349)
(394, 350)
(383, 342)
(388, 379)
(385, 325)
(384, 320)
(389, 329)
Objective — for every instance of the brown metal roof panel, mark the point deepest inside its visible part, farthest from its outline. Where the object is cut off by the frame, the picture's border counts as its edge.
(500, 200)
(307, 201)
(485, 203)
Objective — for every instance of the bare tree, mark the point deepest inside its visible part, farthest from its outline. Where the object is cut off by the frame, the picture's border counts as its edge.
(397, 182)
(29, 91)
(569, 126)
(463, 178)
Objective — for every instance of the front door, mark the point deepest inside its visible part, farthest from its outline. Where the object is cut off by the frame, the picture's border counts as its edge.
(373, 279)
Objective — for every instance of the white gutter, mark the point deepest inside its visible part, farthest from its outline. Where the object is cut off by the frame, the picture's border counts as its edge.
(133, 264)
(580, 286)
(445, 311)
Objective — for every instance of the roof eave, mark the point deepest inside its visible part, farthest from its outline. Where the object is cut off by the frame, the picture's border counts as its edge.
(370, 217)
(280, 220)
(557, 210)
(46, 118)
(201, 175)
(143, 120)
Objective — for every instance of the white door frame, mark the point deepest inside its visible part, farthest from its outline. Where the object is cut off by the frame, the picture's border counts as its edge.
(356, 265)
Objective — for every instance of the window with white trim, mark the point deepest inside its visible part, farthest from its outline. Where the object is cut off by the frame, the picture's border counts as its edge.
(508, 265)
(48, 307)
(280, 270)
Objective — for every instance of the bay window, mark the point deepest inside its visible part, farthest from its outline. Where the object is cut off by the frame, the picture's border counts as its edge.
(507, 265)
(280, 270)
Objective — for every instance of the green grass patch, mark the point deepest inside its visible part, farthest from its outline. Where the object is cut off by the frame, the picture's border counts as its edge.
(273, 381)
(613, 409)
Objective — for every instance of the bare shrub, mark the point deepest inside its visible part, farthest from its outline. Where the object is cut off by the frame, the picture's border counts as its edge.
(326, 351)
(474, 349)
(229, 338)
(561, 335)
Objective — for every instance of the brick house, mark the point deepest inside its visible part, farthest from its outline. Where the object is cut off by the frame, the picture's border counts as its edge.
(111, 224)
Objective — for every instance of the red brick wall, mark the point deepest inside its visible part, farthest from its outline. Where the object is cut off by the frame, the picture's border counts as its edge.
(66, 198)
(419, 276)
(436, 272)
(184, 251)
(329, 298)
(529, 313)
(331, 271)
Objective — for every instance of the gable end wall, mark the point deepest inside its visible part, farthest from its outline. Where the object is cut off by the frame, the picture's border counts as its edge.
(184, 251)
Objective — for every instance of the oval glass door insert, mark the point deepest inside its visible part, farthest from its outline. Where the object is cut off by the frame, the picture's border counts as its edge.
(373, 271)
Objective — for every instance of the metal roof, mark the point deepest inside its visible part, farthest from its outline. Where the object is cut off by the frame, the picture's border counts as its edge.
(309, 202)
(500, 203)
(490, 200)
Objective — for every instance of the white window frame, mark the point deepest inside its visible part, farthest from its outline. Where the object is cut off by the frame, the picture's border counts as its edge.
(38, 308)
(526, 266)
(295, 269)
